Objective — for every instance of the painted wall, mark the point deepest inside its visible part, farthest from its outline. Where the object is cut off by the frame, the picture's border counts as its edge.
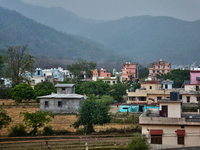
(169, 137)
(68, 105)
(174, 109)
(193, 75)
(193, 98)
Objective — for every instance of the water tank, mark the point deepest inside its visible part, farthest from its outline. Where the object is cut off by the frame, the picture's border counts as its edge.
(173, 96)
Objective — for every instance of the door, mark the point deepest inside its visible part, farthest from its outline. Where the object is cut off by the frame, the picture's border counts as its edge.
(165, 111)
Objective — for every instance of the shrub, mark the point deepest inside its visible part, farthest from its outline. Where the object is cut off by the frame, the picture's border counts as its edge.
(18, 130)
(22, 91)
(48, 130)
(138, 144)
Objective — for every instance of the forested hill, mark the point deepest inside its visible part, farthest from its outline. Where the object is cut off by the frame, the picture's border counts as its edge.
(147, 38)
(42, 40)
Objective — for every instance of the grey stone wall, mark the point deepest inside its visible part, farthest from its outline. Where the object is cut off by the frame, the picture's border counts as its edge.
(66, 91)
(68, 105)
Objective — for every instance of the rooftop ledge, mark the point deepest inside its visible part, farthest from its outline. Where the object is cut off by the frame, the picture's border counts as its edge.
(153, 118)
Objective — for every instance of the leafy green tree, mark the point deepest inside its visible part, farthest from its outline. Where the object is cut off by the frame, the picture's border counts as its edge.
(97, 88)
(118, 90)
(4, 118)
(143, 73)
(136, 85)
(43, 88)
(107, 99)
(36, 120)
(22, 92)
(177, 75)
(92, 113)
(78, 68)
(138, 144)
(19, 62)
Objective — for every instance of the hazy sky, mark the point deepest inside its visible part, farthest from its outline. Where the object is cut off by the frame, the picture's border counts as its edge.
(115, 9)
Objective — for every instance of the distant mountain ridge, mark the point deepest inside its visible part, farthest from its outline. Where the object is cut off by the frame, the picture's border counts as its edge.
(16, 29)
(143, 38)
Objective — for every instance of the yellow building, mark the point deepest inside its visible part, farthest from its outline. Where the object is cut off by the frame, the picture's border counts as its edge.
(151, 92)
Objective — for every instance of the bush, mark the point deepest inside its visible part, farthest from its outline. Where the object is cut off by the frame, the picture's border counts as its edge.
(18, 130)
(22, 91)
(48, 130)
(138, 144)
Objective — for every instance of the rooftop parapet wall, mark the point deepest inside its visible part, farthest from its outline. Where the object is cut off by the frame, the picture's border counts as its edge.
(151, 117)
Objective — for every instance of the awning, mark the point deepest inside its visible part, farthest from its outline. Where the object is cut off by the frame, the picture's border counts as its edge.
(156, 132)
(180, 132)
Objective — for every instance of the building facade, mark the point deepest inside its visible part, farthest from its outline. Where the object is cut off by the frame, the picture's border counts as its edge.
(151, 92)
(159, 68)
(191, 91)
(168, 127)
(130, 71)
(64, 101)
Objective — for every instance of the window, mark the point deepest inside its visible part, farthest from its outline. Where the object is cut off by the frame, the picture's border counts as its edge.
(159, 98)
(163, 71)
(150, 87)
(143, 98)
(166, 86)
(59, 103)
(156, 139)
(153, 71)
(46, 103)
(198, 98)
(197, 88)
(158, 67)
(108, 81)
(125, 108)
(180, 139)
(188, 99)
(113, 81)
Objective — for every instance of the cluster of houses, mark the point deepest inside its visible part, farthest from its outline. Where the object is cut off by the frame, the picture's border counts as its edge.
(162, 120)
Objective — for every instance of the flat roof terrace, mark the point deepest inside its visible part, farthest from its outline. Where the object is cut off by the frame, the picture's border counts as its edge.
(152, 116)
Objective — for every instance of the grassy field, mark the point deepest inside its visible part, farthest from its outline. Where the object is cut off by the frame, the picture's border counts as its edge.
(61, 122)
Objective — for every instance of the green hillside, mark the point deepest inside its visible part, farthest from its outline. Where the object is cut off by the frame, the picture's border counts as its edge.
(42, 40)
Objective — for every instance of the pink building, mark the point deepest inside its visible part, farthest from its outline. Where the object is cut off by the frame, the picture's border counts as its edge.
(130, 70)
(191, 92)
(103, 73)
(158, 68)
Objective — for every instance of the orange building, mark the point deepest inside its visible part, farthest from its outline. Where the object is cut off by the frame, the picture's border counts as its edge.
(130, 70)
(104, 73)
(95, 73)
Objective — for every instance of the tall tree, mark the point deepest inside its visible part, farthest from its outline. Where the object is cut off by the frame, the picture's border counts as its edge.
(93, 112)
(19, 62)
(78, 69)
(118, 90)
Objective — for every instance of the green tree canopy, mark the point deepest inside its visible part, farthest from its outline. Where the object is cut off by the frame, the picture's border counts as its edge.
(22, 92)
(93, 112)
(97, 88)
(43, 88)
(4, 118)
(36, 120)
(19, 62)
(78, 68)
(118, 90)
(177, 75)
